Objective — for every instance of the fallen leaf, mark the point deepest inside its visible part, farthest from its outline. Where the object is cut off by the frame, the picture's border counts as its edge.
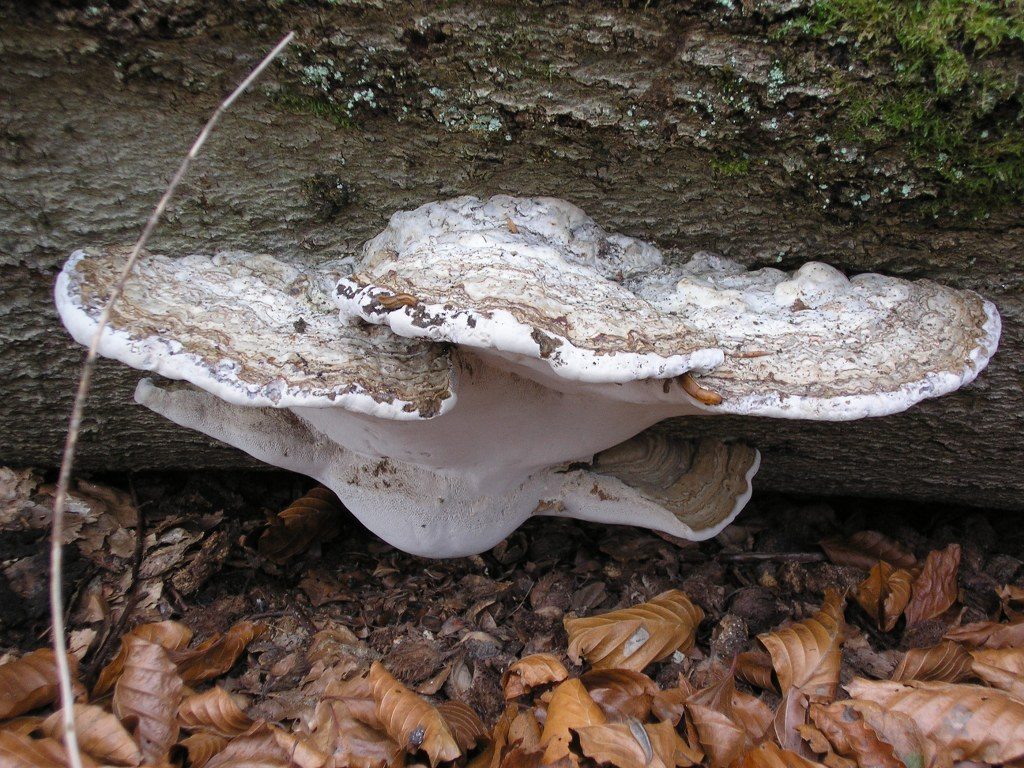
(632, 638)
(884, 594)
(935, 588)
(464, 724)
(620, 693)
(1011, 600)
(357, 695)
(171, 635)
(409, 720)
(728, 722)
(217, 655)
(570, 708)
(349, 741)
(755, 667)
(100, 735)
(901, 731)
(24, 725)
(852, 737)
(316, 517)
(268, 747)
(819, 744)
(28, 683)
(202, 746)
(947, 662)
(669, 705)
(866, 548)
(20, 751)
(500, 740)
(770, 755)
(1001, 668)
(970, 722)
(147, 694)
(790, 716)
(532, 672)
(807, 655)
(989, 634)
(632, 744)
(213, 711)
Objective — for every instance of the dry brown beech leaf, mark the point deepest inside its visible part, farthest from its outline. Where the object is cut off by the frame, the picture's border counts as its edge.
(884, 594)
(970, 722)
(632, 638)
(172, 635)
(669, 705)
(499, 741)
(25, 725)
(852, 737)
(532, 672)
(901, 731)
(1011, 600)
(268, 747)
(465, 724)
(755, 667)
(409, 720)
(988, 634)
(213, 711)
(100, 735)
(806, 655)
(934, 589)
(769, 755)
(631, 744)
(352, 743)
(28, 683)
(570, 708)
(865, 548)
(1001, 668)
(357, 695)
(819, 744)
(20, 751)
(727, 722)
(147, 695)
(316, 517)
(947, 662)
(620, 693)
(217, 655)
(201, 747)
(790, 717)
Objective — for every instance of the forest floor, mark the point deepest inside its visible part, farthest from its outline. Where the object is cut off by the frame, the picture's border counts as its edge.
(314, 597)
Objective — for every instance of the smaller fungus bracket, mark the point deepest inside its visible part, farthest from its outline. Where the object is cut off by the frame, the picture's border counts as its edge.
(687, 488)
(814, 344)
(254, 331)
(533, 277)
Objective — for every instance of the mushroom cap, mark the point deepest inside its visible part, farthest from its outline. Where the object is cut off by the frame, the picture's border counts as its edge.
(534, 277)
(537, 281)
(253, 331)
(814, 344)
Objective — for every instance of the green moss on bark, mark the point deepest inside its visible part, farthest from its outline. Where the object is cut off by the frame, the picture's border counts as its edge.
(952, 96)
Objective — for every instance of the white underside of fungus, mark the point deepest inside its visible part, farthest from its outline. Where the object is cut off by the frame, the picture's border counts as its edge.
(499, 359)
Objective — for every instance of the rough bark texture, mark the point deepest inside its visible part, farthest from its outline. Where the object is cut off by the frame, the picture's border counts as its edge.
(717, 126)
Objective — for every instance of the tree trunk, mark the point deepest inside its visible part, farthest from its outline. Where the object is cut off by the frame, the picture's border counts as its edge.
(741, 128)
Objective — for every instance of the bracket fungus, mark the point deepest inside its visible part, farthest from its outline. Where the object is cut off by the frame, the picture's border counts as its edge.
(489, 360)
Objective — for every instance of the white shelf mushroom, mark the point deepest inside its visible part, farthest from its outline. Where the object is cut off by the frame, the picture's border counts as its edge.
(495, 360)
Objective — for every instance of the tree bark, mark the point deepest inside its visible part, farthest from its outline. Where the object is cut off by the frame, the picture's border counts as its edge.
(664, 121)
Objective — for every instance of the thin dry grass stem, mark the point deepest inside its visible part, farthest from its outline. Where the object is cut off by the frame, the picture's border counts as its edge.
(75, 422)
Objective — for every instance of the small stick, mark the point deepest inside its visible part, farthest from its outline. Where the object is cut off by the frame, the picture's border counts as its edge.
(767, 557)
(75, 422)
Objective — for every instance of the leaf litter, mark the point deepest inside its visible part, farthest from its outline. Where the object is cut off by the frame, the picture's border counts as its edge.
(255, 624)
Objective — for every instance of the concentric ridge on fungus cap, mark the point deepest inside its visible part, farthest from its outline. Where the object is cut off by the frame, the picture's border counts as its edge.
(253, 331)
(537, 279)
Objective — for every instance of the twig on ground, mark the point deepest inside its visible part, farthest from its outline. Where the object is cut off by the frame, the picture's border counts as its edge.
(769, 557)
(75, 422)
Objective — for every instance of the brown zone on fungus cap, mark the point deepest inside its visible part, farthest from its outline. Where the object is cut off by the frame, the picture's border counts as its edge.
(200, 317)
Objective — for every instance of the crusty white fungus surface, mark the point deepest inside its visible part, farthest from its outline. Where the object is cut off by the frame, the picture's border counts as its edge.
(253, 331)
(535, 280)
